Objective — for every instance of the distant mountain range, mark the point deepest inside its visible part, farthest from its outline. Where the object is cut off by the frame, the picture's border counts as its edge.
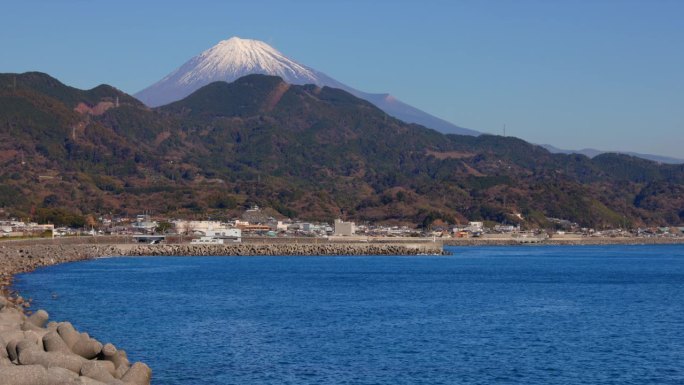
(590, 152)
(306, 151)
(234, 58)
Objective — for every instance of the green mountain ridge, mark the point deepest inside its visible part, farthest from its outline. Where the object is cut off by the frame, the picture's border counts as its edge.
(314, 153)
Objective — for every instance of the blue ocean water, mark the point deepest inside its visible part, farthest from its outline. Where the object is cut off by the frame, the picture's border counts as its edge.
(490, 315)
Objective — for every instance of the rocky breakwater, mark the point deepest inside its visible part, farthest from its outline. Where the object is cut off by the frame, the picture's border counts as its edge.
(16, 259)
(282, 249)
(35, 352)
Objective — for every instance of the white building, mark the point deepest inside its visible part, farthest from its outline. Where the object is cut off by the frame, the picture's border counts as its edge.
(476, 225)
(207, 240)
(144, 224)
(224, 233)
(281, 226)
(189, 227)
(343, 228)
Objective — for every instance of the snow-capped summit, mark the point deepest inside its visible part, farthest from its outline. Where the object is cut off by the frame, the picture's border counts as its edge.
(234, 58)
(228, 61)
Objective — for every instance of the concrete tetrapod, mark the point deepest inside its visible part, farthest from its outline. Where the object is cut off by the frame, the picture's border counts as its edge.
(118, 358)
(98, 370)
(138, 374)
(12, 349)
(30, 344)
(3, 349)
(85, 381)
(29, 326)
(52, 342)
(57, 375)
(68, 333)
(24, 375)
(87, 347)
(50, 359)
(39, 318)
(5, 362)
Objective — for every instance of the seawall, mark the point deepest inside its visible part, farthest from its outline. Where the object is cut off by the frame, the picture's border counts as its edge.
(280, 249)
(570, 241)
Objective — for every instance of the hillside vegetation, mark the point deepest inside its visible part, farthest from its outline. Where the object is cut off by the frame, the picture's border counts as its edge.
(308, 152)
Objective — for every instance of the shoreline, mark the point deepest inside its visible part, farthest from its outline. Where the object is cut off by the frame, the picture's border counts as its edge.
(38, 352)
(35, 352)
(566, 241)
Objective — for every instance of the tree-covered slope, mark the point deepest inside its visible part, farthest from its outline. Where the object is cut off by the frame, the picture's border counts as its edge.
(311, 152)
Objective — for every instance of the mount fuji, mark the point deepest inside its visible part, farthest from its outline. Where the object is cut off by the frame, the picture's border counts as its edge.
(234, 58)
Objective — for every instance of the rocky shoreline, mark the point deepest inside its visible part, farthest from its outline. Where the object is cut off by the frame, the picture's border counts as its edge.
(35, 352)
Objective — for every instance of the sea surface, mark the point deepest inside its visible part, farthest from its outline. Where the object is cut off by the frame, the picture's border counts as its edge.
(486, 315)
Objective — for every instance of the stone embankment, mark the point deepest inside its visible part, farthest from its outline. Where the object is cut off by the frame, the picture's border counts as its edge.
(570, 241)
(281, 249)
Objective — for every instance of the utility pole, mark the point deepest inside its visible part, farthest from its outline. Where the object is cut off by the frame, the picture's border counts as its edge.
(504, 130)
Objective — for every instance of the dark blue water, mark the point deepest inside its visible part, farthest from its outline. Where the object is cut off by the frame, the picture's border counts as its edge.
(516, 315)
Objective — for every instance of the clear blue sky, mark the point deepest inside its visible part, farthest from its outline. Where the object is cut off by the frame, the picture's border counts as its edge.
(575, 74)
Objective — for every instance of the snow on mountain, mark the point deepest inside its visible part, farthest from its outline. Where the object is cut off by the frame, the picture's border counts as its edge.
(234, 58)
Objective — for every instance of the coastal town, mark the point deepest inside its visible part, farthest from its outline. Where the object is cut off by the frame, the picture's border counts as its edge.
(256, 223)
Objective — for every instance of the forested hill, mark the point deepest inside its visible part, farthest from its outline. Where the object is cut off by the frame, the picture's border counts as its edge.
(308, 152)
